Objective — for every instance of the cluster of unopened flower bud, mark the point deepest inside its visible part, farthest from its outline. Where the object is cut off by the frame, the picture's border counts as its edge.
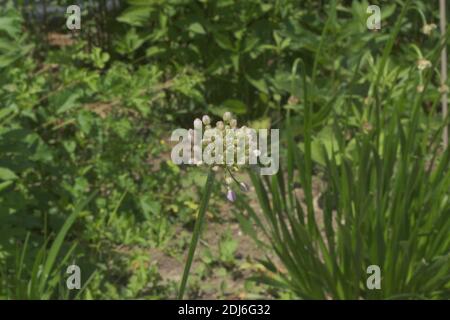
(428, 28)
(422, 64)
(239, 144)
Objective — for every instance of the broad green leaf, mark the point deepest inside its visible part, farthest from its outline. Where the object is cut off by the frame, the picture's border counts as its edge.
(196, 27)
(7, 174)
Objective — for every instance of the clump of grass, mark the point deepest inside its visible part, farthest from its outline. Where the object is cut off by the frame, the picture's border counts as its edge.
(386, 203)
(44, 279)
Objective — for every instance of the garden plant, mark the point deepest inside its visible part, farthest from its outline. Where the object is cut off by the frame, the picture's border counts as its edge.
(349, 199)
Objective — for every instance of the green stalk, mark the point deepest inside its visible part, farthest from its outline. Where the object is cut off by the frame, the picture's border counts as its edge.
(443, 25)
(197, 229)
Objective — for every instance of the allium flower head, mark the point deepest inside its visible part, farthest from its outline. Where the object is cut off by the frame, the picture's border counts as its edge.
(428, 28)
(239, 143)
(422, 64)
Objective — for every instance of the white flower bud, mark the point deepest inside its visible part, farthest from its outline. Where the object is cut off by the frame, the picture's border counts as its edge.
(244, 187)
(206, 120)
(197, 123)
(220, 125)
(227, 116)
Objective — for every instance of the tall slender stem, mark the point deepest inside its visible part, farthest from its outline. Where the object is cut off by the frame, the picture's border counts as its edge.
(197, 229)
(444, 102)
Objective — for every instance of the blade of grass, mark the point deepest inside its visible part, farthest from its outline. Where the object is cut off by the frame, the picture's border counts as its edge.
(197, 230)
(443, 23)
(58, 242)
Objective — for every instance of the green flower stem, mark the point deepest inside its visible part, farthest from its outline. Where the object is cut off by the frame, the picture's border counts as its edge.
(197, 229)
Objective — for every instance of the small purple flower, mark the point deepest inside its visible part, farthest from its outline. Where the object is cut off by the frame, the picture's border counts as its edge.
(231, 195)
